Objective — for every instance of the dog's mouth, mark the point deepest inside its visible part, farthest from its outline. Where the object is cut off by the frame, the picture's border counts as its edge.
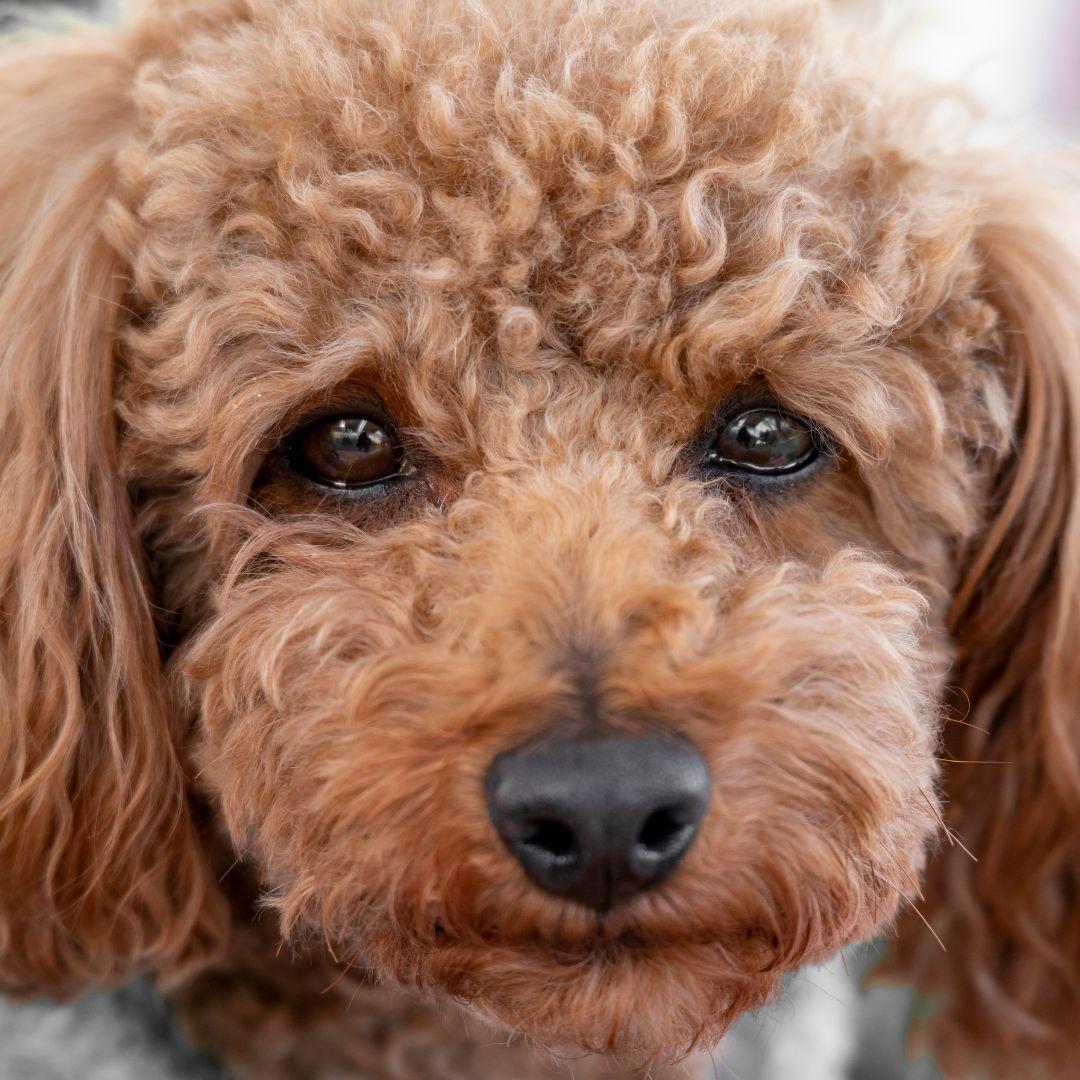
(610, 942)
(603, 941)
(640, 996)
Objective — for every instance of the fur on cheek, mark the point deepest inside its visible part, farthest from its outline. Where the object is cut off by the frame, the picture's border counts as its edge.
(348, 716)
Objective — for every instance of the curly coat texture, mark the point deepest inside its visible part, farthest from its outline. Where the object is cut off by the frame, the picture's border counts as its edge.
(549, 240)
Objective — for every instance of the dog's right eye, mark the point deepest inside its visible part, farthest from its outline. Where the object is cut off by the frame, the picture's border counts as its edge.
(347, 452)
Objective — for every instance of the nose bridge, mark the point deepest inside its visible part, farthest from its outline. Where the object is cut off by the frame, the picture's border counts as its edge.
(549, 566)
(574, 541)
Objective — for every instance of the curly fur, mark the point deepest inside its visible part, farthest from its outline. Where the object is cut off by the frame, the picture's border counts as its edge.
(549, 239)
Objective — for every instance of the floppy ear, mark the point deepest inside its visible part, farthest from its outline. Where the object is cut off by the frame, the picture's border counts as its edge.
(1009, 982)
(101, 871)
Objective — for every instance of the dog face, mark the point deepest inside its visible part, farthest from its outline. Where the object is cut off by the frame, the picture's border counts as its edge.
(539, 428)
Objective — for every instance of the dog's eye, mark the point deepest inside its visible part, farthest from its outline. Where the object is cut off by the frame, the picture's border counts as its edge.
(764, 441)
(347, 452)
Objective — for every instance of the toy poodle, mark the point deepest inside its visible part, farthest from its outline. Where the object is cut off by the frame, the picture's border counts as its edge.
(533, 517)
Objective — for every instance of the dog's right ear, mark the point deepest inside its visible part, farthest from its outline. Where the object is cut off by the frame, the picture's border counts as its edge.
(1009, 985)
(101, 870)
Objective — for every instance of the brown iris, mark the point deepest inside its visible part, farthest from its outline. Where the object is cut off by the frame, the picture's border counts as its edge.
(347, 452)
(764, 441)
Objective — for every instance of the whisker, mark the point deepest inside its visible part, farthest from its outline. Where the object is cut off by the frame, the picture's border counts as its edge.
(341, 974)
(821, 989)
(877, 872)
(926, 923)
(909, 901)
(937, 816)
(973, 761)
(911, 881)
(235, 863)
(967, 701)
(966, 723)
(965, 849)
(728, 1068)
(950, 835)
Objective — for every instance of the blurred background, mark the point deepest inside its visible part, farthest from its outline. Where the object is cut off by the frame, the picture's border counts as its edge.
(1020, 59)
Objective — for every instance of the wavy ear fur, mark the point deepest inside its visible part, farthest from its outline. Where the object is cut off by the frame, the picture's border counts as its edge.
(1009, 982)
(101, 871)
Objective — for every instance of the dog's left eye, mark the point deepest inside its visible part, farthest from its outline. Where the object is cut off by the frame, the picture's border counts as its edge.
(764, 441)
(347, 452)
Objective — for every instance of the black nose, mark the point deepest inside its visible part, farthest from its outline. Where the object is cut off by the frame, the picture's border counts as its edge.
(599, 820)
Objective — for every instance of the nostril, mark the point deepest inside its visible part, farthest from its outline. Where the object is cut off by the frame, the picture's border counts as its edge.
(665, 832)
(553, 839)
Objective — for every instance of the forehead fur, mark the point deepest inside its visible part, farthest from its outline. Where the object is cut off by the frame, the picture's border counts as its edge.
(487, 210)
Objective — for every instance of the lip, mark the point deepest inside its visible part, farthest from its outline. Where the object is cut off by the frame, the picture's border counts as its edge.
(747, 951)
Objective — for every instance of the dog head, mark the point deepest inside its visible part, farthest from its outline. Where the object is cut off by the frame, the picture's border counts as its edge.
(546, 477)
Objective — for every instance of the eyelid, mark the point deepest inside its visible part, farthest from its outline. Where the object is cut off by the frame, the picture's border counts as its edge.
(362, 411)
(737, 404)
(301, 415)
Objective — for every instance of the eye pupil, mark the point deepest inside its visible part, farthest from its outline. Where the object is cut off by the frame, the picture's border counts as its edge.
(763, 441)
(347, 452)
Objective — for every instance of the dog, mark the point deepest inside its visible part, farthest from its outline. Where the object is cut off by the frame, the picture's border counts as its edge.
(537, 517)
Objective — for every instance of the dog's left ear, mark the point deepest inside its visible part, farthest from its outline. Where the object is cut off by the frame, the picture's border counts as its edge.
(101, 871)
(1009, 983)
